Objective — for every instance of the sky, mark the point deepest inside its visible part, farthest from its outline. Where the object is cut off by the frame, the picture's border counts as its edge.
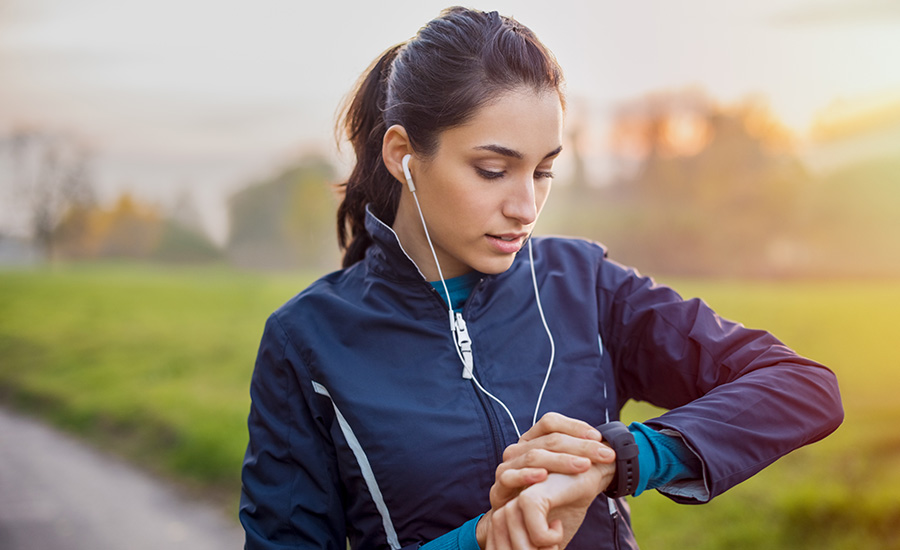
(204, 96)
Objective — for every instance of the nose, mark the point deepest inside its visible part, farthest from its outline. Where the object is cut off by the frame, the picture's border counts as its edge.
(520, 202)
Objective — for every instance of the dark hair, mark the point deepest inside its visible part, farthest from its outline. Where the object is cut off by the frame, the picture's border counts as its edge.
(435, 81)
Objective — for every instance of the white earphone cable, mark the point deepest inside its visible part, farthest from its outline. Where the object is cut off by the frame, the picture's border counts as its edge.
(453, 324)
(537, 295)
(502, 404)
(434, 254)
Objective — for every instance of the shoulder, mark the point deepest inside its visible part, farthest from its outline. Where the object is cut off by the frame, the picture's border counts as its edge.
(568, 248)
(583, 255)
(324, 298)
(589, 261)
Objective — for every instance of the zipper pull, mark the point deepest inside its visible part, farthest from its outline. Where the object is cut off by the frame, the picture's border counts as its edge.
(464, 344)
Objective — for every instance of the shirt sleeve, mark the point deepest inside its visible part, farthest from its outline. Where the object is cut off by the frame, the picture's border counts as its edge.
(738, 398)
(289, 492)
(461, 538)
(664, 460)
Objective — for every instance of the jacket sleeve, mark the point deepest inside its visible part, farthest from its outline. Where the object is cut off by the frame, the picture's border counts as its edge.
(290, 495)
(739, 397)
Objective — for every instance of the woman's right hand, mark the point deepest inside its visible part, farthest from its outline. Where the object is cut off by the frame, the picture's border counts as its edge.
(548, 514)
(556, 444)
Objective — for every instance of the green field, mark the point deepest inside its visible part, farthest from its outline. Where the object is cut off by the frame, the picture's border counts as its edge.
(155, 363)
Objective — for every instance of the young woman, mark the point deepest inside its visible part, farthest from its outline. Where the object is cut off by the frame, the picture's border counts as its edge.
(458, 383)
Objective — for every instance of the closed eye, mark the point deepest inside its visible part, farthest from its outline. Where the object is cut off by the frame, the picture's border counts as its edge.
(541, 174)
(489, 174)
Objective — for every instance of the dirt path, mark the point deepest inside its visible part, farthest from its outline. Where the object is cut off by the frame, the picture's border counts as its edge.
(58, 494)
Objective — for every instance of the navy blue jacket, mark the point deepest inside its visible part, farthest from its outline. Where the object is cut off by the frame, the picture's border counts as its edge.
(362, 426)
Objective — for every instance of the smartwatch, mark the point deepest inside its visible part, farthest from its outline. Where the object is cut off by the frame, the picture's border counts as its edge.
(625, 480)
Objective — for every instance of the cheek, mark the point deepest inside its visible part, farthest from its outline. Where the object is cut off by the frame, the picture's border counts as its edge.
(474, 211)
(541, 193)
(471, 203)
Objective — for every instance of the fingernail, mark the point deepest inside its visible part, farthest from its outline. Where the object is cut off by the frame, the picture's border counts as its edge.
(605, 452)
(581, 462)
(594, 434)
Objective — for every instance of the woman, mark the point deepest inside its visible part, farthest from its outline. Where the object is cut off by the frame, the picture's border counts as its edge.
(389, 398)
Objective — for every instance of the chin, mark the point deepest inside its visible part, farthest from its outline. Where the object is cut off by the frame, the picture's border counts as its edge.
(494, 266)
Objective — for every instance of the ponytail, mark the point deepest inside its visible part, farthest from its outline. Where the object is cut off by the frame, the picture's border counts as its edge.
(370, 182)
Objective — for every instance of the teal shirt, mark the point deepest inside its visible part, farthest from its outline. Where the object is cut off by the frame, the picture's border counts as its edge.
(459, 287)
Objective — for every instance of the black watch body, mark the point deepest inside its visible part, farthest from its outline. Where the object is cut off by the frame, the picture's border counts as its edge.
(616, 435)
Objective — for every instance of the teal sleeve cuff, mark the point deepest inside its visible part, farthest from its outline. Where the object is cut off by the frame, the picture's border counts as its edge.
(646, 457)
(467, 539)
(461, 538)
(662, 458)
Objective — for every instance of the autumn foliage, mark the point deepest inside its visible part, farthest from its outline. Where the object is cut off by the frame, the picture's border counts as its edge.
(128, 229)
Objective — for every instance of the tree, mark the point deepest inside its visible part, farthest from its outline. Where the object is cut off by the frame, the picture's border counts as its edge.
(128, 229)
(720, 184)
(286, 221)
(704, 188)
(183, 239)
(53, 174)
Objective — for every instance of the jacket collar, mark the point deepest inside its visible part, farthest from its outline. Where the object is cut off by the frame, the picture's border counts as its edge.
(386, 255)
(387, 258)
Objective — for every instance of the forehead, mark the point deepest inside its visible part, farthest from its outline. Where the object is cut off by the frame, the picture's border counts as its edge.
(524, 120)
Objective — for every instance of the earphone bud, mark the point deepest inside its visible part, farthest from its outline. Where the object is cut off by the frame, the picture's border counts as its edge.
(409, 181)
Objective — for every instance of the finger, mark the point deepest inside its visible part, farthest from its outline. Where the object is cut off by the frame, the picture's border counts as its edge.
(518, 534)
(608, 473)
(520, 478)
(498, 535)
(556, 526)
(530, 453)
(510, 482)
(560, 461)
(489, 540)
(553, 422)
(534, 514)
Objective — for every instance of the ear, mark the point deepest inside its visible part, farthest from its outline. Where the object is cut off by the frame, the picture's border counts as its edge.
(394, 147)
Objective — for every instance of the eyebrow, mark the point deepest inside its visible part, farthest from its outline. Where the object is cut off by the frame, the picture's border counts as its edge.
(512, 153)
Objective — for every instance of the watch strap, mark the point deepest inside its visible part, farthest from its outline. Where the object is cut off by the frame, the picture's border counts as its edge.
(625, 481)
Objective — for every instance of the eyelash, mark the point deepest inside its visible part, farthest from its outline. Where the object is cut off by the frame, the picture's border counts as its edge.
(491, 175)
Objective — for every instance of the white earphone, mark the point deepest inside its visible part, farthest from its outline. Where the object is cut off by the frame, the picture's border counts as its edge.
(409, 181)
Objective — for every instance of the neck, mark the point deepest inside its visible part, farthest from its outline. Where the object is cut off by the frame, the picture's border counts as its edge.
(408, 227)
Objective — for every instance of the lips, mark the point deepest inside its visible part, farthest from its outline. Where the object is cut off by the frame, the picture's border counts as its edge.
(507, 243)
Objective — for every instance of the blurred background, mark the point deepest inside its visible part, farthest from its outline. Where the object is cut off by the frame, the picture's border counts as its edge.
(166, 181)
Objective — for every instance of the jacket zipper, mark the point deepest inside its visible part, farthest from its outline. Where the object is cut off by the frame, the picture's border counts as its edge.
(493, 424)
(489, 413)
(614, 514)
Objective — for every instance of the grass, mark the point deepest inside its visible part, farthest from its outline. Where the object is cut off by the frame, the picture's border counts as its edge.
(155, 363)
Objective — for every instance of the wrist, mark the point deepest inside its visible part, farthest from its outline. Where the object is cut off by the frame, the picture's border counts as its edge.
(627, 469)
(598, 477)
(482, 527)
